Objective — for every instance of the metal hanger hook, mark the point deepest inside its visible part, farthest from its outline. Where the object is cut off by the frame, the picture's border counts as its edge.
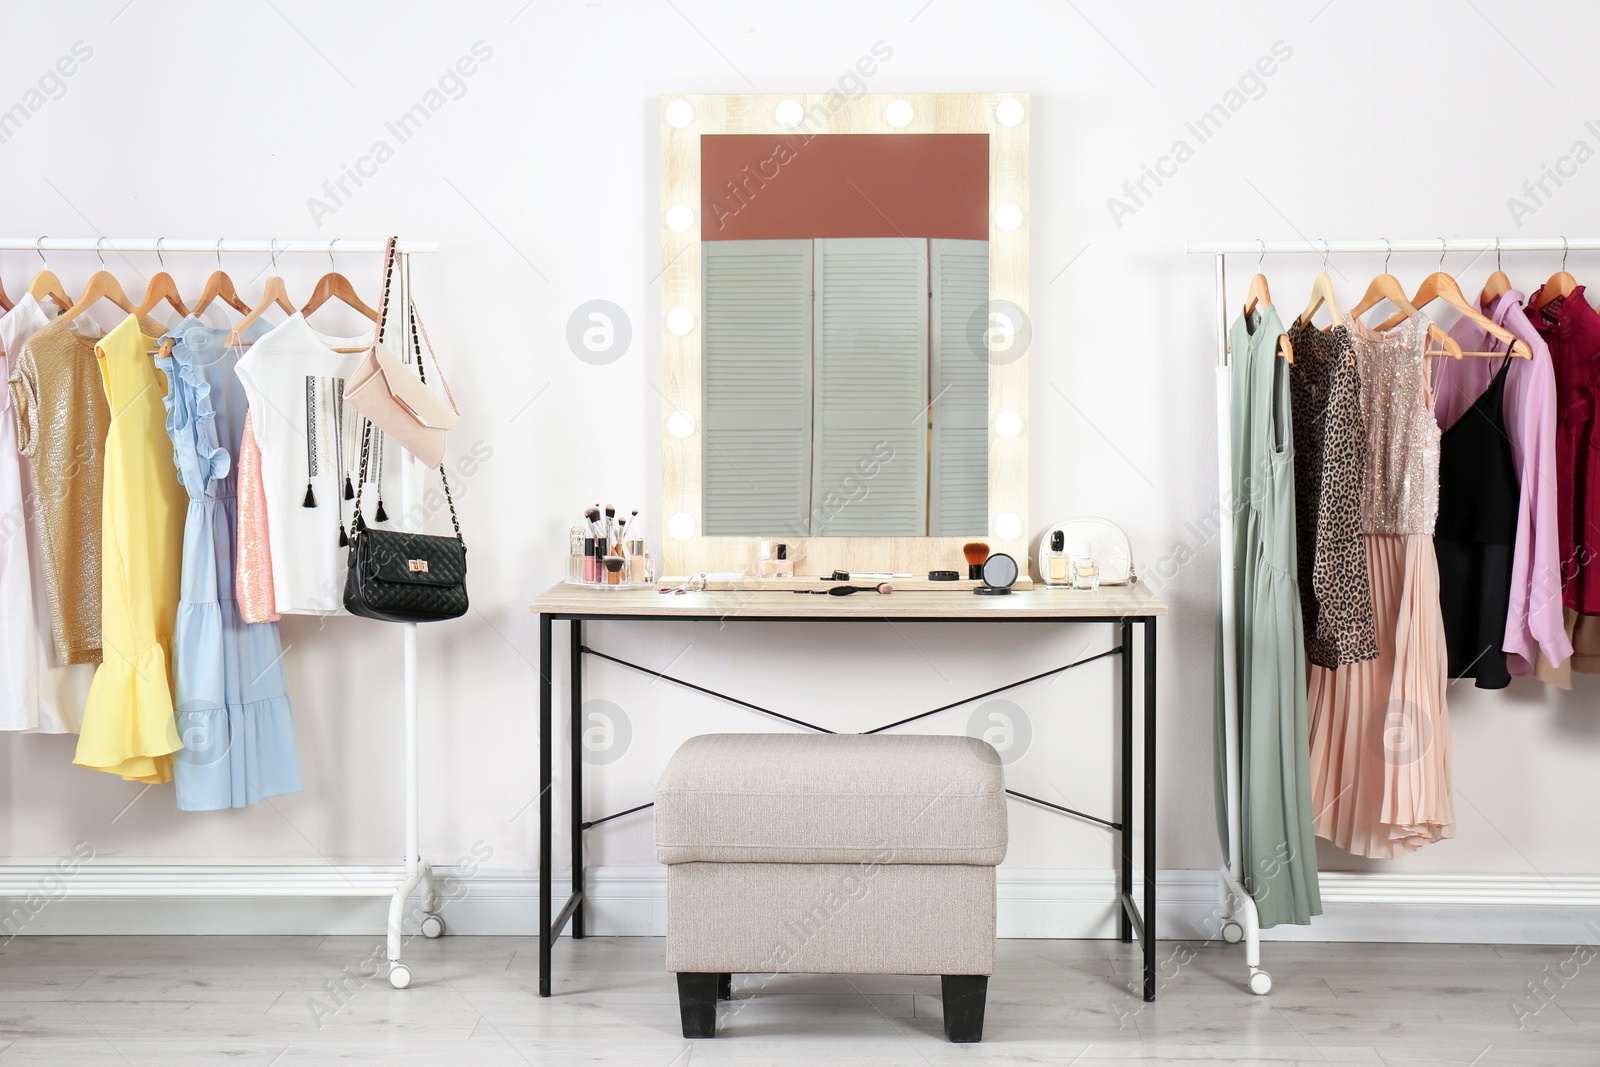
(218, 251)
(1325, 250)
(38, 248)
(1497, 253)
(273, 252)
(1262, 255)
(1388, 247)
(159, 257)
(1564, 251)
(333, 267)
(1444, 246)
(102, 255)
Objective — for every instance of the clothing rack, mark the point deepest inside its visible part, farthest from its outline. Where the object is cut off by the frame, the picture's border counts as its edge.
(417, 871)
(1240, 921)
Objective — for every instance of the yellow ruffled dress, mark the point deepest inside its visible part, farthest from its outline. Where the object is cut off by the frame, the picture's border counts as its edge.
(128, 727)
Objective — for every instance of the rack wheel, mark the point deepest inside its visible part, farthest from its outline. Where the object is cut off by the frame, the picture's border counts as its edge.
(1260, 982)
(1232, 932)
(400, 976)
(432, 926)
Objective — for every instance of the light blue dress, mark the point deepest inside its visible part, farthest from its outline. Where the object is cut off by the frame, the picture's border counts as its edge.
(232, 712)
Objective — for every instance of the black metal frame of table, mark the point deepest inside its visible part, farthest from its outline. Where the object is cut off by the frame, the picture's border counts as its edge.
(1133, 921)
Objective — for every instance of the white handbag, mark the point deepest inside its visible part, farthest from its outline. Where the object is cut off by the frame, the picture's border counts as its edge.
(1107, 545)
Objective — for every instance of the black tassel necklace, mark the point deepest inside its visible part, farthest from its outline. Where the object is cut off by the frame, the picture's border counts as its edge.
(311, 440)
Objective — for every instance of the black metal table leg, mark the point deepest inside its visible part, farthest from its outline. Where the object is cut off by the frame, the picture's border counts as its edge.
(575, 742)
(1125, 808)
(546, 668)
(1149, 931)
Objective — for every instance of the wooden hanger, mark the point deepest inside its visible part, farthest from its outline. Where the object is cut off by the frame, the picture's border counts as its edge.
(1440, 285)
(336, 286)
(102, 285)
(161, 287)
(5, 301)
(46, 284)
(1260, 294)
(1387, 287)
(1498, 284)
(220, 285)
(1560, 284)
(1322, 293)
(273, 293)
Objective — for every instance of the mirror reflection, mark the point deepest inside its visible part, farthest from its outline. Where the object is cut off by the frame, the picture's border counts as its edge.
(845, 369)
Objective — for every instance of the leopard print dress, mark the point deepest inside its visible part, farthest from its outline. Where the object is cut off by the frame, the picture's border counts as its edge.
(1330, 464)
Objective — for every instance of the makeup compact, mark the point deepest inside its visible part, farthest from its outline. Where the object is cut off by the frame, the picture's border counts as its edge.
(999, 574)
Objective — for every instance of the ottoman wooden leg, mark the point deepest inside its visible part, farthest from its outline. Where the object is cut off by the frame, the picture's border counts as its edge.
(963, 1006)
(697, 1003)
(725, 986)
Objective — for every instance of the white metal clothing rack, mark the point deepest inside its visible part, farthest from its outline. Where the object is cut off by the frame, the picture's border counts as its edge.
(417, 871)
(1240, 921)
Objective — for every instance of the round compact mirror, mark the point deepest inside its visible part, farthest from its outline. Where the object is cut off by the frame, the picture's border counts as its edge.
(999, 574)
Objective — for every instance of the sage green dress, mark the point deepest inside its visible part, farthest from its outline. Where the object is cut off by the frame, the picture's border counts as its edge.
(1279, 848)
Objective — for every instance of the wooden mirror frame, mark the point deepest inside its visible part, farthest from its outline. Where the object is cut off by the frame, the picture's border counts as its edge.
(681, 354)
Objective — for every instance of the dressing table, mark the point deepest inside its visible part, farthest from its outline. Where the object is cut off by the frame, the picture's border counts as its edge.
(1124, 608)
(845, 354)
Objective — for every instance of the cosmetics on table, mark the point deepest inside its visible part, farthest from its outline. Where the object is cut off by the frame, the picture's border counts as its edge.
(998, 573)
(1055, 561)
(783, 566)
(1085, 571)
(975, 552)
(607, 552)
(765, 564)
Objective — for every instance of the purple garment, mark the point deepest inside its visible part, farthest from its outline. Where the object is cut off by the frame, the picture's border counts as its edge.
(1534, 621)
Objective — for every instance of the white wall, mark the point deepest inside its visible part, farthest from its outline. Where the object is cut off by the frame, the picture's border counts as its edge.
(540, 180)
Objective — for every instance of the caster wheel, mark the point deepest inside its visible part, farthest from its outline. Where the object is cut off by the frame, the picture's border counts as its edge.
(432, 926)
(1232, 932)
(400, 976)
(1260, 982)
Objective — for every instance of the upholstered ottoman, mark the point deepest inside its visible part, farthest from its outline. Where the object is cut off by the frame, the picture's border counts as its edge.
(831, 853)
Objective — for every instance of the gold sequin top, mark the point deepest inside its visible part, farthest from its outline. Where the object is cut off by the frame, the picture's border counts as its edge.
(62, 420)
(1401, 494)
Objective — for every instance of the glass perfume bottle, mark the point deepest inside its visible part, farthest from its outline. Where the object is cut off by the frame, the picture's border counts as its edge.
(575, 555)
(1085, 571)
(1055, 560)
(765, 565)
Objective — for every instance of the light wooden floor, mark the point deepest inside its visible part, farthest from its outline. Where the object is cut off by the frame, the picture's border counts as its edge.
(171, 1001)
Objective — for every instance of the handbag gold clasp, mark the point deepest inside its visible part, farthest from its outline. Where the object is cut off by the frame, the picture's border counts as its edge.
(418, 566)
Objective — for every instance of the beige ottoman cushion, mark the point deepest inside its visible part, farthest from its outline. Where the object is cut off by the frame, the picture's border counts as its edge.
(832, 799)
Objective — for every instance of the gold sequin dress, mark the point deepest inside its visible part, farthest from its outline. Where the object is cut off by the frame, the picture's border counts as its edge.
(1380, 735)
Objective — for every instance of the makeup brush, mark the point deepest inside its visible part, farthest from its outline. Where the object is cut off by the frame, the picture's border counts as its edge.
(976, 552)
(611, 518)
(592, 515)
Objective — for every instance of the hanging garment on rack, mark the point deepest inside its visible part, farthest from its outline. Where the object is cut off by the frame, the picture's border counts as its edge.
(1534, 625)
(62, 420)
(1330, 462)
(1571, 328)
(128, 725)
(253, 577)
(1380, 736)
(233, 714)
(1277, 845)
(35, 695)
(294, 378)
(1475, 535)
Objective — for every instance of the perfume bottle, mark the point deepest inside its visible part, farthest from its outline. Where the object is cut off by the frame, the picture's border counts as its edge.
(765, 567)
(1085, 571)
(1055, 560)
(783, 566)
(575, 555)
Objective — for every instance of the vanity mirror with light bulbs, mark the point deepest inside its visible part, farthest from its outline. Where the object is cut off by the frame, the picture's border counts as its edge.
(845, 329)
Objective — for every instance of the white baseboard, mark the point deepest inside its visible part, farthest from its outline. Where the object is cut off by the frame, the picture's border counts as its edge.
(192, 899)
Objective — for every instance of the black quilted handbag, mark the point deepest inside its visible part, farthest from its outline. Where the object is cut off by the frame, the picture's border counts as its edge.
(397, 576)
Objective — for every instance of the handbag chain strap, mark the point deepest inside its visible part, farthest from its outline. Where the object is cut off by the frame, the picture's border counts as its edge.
(356, 526)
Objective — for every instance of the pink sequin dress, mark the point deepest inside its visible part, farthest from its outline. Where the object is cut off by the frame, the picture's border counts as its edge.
(253, 576)
(1380, 735)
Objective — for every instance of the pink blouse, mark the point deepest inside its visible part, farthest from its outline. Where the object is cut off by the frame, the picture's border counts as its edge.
(1534, 622)
(253, 573)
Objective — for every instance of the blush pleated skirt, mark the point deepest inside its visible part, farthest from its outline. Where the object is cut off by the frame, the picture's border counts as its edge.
(1380, 735)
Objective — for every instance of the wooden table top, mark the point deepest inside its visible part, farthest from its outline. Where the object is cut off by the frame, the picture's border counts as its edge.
(1040, 602)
